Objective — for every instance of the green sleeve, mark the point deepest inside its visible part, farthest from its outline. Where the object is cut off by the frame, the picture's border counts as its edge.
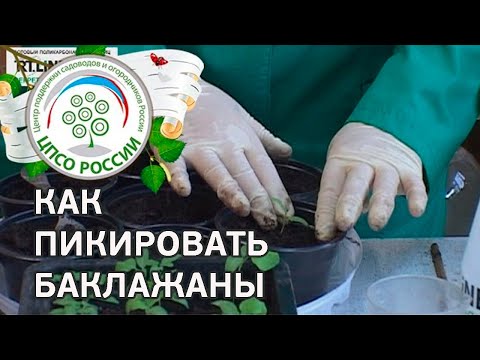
(425, 96)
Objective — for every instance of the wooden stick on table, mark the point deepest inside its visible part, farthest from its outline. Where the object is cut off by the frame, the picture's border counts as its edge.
(438, 261)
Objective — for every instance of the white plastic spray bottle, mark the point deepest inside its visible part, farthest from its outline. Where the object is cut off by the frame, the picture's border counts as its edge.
(471, 266)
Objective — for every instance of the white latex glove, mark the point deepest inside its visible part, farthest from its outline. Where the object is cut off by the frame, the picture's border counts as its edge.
(228, 148)
(360, 158)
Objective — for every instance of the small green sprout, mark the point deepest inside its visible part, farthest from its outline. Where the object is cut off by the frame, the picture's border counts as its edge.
(251, 306)
(285, 219)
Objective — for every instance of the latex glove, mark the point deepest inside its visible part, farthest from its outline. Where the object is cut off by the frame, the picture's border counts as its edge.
(230, 150)
(360, 158)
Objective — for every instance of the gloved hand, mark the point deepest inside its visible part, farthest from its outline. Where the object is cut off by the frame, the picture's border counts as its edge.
(228, 148)
(361, 157)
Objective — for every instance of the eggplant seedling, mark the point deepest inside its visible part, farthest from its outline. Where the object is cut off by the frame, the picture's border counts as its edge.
(286, 219)
(147, 266)
(264, 263)
(70, 306)
(251, 306)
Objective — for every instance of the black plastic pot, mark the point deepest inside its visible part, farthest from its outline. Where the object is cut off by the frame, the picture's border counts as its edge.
(17, 195)
(278, 286)
(17, 251)
(301, 181)
(309, 264)
(137, 207)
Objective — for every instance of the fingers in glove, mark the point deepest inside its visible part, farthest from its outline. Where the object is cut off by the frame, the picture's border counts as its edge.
(268, 176)
(355, 190)
(180, 182)
(416, 193)
(261, 206)
(331, 186)
(210, 167)
(382, 201)
(275, 147)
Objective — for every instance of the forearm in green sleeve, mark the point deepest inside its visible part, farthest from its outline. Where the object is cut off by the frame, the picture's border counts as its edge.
(426, 96)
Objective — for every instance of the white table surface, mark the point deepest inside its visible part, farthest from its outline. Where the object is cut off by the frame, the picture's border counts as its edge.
(388, 257)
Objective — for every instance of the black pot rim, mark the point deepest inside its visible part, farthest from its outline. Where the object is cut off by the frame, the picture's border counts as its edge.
(303, 249)
(111, 182)
(26, 215)
(300, 166)
(294, 164)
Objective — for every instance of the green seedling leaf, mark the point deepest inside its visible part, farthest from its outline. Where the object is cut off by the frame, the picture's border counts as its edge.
(69, 307)
(36, 168)
(152, 263)
(156, 310)
(151, 302)
(103, 279)
(126, 265)
(253, 306)
(233, 263)
(227, 307)
(176, 299)
(299, 220)
(137, 303)
(280, 204)
(156, 268)
(58, 311)
(243, 251)
(170, 150)
(72, 309)
(156, 136)
(67, 300)
(91, 50)
(169, 261)
(267, 262)
(110, 300)
(88, 309)
(143, 260)
(76, 275)
(153, 177)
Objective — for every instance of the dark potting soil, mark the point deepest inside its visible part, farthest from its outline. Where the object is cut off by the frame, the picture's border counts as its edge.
(293, 235)
(297, 181)
(23, 190)
(21, 236)
(166, 207)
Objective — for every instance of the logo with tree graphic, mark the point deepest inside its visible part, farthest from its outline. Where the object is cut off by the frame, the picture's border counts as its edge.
(90, 117)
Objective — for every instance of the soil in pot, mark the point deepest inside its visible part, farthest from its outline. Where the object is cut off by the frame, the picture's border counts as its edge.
(17, 195)
(137, 207)
(17, 242)
(309, 260)
(299, 178)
